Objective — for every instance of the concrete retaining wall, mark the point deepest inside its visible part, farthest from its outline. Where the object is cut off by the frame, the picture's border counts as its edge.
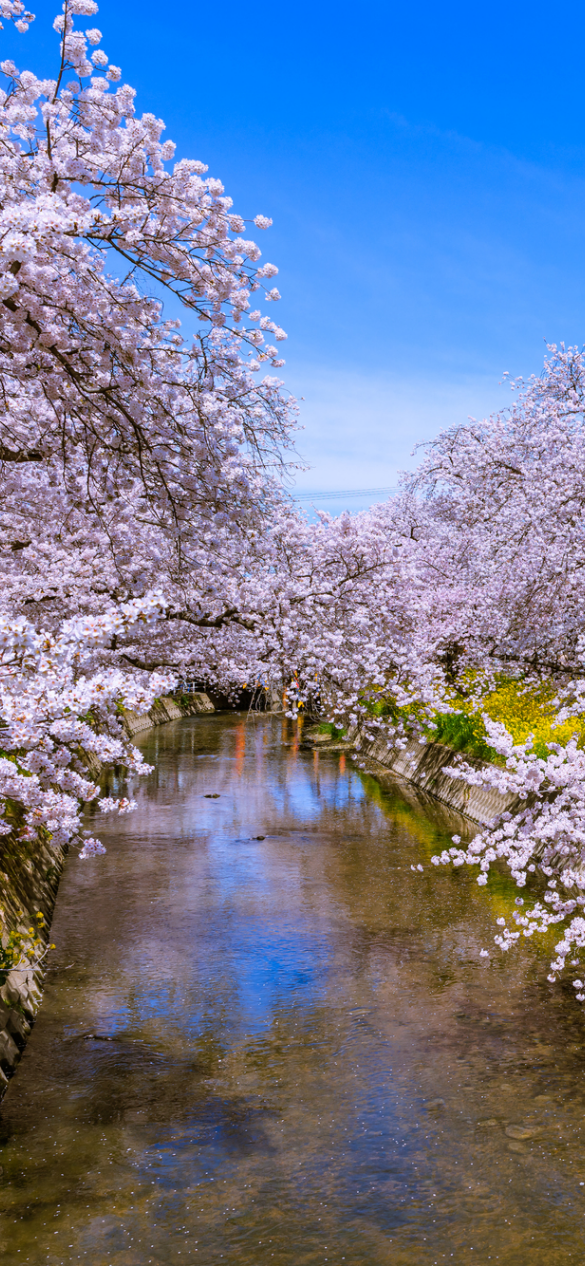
(424, 765)
(166, 709)
(29, 880)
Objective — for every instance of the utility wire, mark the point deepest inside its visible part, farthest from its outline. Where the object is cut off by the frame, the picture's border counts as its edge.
(347, 492)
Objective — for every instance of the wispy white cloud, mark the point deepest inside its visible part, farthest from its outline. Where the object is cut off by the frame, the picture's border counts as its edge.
(360, 428)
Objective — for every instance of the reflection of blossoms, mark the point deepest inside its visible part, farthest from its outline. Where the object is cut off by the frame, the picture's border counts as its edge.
(120, 806)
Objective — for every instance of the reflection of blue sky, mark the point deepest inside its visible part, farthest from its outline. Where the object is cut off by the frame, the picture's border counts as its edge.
(251, 802)
(304, 797)
(234, 959)
(251, 934)
(251, 931)
(279, 966)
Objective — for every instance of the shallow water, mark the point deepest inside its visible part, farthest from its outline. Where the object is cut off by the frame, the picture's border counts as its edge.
(287, 1049)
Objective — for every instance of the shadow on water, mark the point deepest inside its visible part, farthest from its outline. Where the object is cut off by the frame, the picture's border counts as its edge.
(268, 1039)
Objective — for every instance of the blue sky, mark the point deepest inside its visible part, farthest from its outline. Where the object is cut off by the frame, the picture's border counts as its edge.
(425, 170)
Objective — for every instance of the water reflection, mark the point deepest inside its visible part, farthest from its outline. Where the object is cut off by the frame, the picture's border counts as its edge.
(268, 1039)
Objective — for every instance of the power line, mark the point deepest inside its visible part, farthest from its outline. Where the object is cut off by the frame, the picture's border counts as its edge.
(346, 492)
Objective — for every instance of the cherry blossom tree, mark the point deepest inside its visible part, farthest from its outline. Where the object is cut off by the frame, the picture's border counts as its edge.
(132, 456)
(496, 511)
(127, 430)
(56, 718)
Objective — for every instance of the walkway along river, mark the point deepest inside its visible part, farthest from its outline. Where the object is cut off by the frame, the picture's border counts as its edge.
(267, 1039)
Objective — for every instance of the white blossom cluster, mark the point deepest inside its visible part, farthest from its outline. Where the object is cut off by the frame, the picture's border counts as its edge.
(54, 717)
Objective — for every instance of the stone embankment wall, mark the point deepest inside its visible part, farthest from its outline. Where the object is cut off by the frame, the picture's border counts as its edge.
(29, 881)
(166, 710)
(424, 765)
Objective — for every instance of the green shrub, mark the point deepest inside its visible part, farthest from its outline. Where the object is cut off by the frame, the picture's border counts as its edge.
(463, 733)
(328, 727)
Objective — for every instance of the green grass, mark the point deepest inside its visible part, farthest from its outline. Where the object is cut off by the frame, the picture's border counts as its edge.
(464, 733)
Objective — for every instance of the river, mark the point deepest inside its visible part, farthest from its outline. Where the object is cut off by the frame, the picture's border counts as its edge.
(267, 1039)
